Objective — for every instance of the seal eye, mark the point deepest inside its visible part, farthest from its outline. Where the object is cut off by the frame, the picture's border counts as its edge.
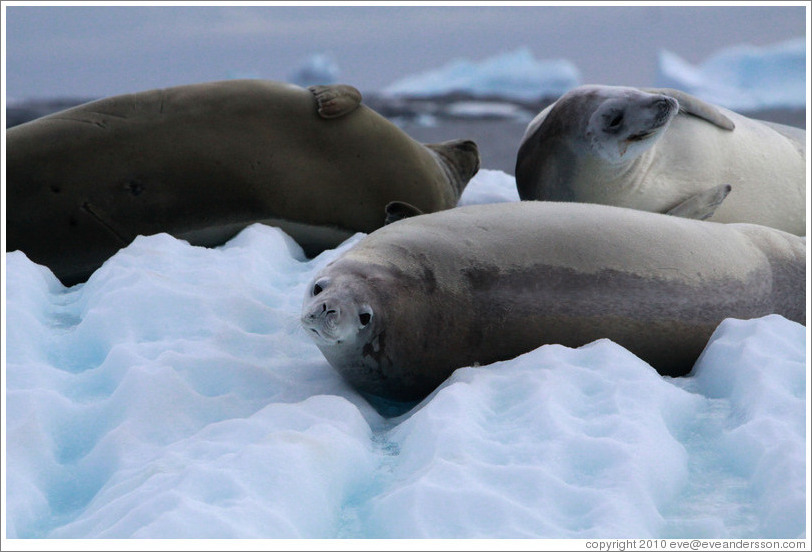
(317, 289)
(364, 318)
(616, 120)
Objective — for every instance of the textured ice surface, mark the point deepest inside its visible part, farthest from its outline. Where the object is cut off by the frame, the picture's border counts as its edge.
(175, 395)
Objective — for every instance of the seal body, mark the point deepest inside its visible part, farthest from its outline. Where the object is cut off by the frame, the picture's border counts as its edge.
(397, 313)
(667, 152)
(203, 161)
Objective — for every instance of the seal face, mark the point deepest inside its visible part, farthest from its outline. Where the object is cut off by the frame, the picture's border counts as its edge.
(340, 314)
(624, 127)
(203, 161)
(664, 151)
(396, 314)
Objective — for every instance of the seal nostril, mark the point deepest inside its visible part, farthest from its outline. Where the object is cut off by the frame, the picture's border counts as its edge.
(664, 106)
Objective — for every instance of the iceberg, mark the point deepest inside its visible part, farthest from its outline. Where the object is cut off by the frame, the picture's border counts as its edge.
(318, 69)
(742, 78)
(514, 75)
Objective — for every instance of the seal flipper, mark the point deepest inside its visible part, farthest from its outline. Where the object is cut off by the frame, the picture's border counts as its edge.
(460, 160)
(336, 100)
(399, 210)
(702, 205)
(696, 107)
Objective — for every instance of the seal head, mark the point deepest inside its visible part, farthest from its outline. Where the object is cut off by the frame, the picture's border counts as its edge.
(622, 127)
(345, 313)
(588, 129)
(336, 315)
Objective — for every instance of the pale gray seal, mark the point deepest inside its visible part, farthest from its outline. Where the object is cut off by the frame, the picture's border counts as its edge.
(665, 151)
(203, 161)
(411, 302)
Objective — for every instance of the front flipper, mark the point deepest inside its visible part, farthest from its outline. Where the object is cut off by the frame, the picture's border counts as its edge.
(399, 210)
(702, 205)
(696, 107)
(336, 100)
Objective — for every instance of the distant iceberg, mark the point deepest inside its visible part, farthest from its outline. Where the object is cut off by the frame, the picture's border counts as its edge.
(318, 69)
(514, 75)
(742, 77)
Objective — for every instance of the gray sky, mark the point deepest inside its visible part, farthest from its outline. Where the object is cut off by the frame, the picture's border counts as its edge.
(100, 51)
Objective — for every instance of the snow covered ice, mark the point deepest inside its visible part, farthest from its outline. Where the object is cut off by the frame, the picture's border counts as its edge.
(174, 395)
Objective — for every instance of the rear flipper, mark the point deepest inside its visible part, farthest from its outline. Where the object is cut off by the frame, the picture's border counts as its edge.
(702, 205)
(336, 100)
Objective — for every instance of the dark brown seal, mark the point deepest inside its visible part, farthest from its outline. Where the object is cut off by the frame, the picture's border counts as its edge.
(203, 161)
